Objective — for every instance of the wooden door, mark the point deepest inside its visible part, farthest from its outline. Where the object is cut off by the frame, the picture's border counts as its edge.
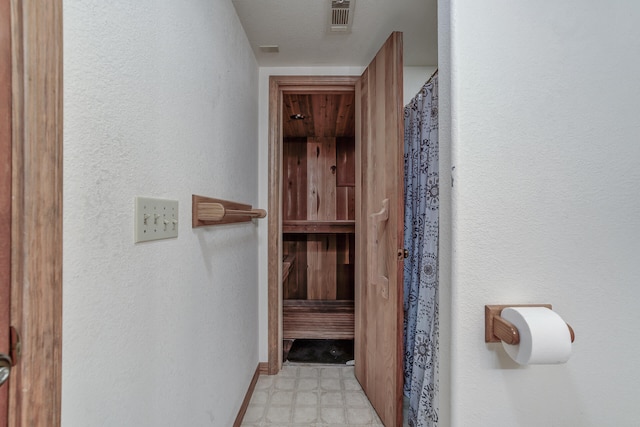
(31, 205)
(379, 222)
(5, 193)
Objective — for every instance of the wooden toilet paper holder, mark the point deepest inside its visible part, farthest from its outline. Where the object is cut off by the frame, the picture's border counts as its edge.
(497, 329)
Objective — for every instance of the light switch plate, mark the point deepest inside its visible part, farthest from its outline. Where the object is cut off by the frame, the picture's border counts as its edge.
(155, 219)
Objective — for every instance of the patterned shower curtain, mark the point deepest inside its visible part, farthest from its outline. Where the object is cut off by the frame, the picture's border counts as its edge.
(421, 267)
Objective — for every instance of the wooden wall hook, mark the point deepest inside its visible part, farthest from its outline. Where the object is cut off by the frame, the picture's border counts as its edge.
(207, 211)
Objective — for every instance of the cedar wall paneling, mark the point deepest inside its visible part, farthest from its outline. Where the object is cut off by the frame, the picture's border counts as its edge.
(319, 184)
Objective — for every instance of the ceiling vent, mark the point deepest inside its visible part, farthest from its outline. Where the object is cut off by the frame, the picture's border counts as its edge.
(341, 16)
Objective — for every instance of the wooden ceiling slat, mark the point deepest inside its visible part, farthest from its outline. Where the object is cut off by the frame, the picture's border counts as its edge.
(326, 115)
(319, 112)
(345, 120)
(306, 110)
(331, 114)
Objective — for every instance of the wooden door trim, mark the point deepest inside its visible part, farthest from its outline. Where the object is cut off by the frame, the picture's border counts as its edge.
(5, 192)
(36, 265)
(277, 86)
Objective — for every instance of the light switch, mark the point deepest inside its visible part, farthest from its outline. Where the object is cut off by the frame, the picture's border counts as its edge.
(155, 219)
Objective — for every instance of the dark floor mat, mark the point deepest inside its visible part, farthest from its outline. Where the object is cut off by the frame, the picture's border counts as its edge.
(321, 351)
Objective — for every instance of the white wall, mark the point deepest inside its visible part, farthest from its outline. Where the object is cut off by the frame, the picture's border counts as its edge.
(159, 101)
(414, 78)
(545, 205)
(444, 192)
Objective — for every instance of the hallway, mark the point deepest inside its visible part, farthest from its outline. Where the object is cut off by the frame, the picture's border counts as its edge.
(310, 395)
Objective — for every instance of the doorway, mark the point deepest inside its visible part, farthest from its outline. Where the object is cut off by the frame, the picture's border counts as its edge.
(318, 224)
(378, 226)
(310, 264)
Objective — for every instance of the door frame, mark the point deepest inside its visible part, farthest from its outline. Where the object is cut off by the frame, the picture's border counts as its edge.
(36, 235)
(277, 86)
(5, 193)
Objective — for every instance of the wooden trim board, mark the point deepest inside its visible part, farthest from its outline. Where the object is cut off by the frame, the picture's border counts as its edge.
(36, 265)
(320, 227)
(247, 397)
(5, 191)
(263, 367)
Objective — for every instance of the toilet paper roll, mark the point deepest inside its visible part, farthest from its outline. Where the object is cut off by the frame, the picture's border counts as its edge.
(544, 336)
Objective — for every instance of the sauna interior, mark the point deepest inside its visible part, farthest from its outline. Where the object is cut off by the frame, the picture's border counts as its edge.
(318, 217)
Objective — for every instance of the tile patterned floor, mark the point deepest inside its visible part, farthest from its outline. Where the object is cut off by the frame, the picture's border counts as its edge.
(310, 395)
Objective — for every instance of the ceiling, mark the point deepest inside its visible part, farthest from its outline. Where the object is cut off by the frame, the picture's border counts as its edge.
(300, 28)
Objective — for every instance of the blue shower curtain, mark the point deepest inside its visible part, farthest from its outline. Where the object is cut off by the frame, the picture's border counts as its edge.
(421, 267)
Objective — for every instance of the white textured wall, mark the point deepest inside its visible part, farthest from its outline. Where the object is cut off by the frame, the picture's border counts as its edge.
(160, 101)
(414, 78)
(546, 205)
(444, 244)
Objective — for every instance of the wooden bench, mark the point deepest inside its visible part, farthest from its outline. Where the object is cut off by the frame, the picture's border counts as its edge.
(318, 319)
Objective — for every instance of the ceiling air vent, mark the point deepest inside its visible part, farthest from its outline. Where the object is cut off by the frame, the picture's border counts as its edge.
(341, 16)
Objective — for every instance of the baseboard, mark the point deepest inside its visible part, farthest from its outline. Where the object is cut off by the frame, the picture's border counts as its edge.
(261, 369)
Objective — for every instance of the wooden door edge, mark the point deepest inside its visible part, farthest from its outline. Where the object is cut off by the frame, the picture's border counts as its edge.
(36, 309)
(400, 231)
(5, 191)
(278, 85)
(381, 374)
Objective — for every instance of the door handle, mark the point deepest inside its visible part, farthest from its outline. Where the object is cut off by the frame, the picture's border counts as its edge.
(5, 368)
(376, 274)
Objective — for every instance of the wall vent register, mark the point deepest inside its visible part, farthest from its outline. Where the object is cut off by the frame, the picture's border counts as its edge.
(341, 16)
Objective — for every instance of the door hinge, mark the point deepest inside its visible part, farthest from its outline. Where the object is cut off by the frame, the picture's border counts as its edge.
(403, 253)
(15, 346)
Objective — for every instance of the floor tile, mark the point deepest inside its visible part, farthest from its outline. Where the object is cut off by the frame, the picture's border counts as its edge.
(254, 414)
(330, 384)
(359, 415)
(310, 396)
(308, 384)
(305, 414)
(330, 373)
(332, 398)
(352, 384)
(333, 415)
(356, 399)
(284, 383)
(282, 398)
(264, 382)
(309, 372)
(306, 398)
(288, 371)
(259, 397)
(279, 414)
